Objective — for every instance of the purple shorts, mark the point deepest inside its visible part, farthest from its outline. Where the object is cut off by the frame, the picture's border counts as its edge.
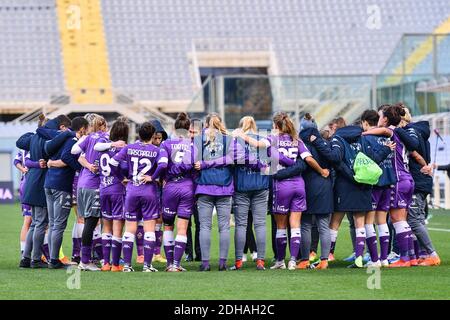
(289, 196)
(26, 210)
(401, 194)
(381, 198)
(138, 207)
(112, 206)
(178, 199)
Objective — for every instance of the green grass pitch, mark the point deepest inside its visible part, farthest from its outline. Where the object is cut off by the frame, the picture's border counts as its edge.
(336, 283)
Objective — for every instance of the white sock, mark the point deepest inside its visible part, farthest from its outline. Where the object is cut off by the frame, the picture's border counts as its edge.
(370, 231)
(180, 238)
(333, 235)
(74, 231)
(383, 230)
(114, 238)
(106, 236)
(281, 233)
(22, 245)
(150, 236)
(80, 228)
(128, 236)
(360, 232)
(295, 232)
(158, 227)
(97, 232)
(168, 239)
(401, 226)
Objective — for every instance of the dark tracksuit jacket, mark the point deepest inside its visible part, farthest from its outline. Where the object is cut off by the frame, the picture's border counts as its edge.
(34, 194)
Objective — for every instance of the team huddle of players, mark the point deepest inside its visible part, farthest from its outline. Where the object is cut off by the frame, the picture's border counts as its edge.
(126, 192)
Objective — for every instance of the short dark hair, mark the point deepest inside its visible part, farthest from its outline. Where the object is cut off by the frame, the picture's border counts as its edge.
(371, 116)
(146, 131)
(78, 123)
(63, 120)
(119, 131)
(394, 114)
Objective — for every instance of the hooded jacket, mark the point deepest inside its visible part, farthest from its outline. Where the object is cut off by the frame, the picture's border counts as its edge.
(159, 128)
(422, 182)
(33, 193)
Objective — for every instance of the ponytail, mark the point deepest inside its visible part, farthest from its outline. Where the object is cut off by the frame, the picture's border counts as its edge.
(285, 125)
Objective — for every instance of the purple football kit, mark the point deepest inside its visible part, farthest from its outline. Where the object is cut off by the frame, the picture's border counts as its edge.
(178, 194)
(112, 191)
(401, 193)
(20, 158)
(141, 201)
(88, 195)
(289, 195)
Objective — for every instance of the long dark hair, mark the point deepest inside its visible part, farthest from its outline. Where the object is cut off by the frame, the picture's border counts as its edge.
(119, 130)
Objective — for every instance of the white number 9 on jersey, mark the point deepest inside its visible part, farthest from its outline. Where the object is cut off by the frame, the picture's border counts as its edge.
(104, 165)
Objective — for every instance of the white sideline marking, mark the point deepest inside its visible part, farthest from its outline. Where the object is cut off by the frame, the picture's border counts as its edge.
(439, 229)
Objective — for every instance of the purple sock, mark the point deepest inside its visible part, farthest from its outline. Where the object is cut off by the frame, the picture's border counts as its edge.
(295, 246)
(127, 248)
(169, 250)
(372, 247)
(360, 244)
(222, 262)
(76, 247)
(45, 251)
(106, 252)
(281, 240)
(157, 249)
(333, 247)
(86, 252)
(402, 242)
(148, 251)
(97, 247)
(116, 249)
(423, 253)
(384, 247)
(205, 263)
(178, 252)
(140, 240)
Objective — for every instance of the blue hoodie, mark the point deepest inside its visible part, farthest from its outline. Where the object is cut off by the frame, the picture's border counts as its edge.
(247, 178)
(59, 148)
(33, 193)
(422, 182)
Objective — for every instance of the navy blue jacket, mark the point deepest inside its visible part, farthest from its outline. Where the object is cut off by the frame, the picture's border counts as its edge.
(388, 177)
(33, 193)
(422, 182)
(62, 178)
(349, 196)
(247, 178)
(319, 190)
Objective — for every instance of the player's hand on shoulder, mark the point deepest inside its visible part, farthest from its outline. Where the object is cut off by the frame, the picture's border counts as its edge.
(118, 144)
(198, 165)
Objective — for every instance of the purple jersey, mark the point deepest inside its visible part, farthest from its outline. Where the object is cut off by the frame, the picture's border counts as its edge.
(142, 159)
(87, 179)
(289, 148)
(111, 177)
(401, 158)
(180, 159)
